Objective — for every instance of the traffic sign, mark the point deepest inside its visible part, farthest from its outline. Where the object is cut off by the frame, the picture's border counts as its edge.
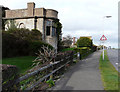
(103, 38)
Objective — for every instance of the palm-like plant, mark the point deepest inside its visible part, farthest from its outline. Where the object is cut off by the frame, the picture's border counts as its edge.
(46, 55)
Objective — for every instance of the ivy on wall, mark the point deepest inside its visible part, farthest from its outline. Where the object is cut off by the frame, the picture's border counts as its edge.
(59, 33)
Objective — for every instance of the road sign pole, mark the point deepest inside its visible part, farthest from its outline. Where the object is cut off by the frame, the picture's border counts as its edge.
(103, 51)
(103, 39)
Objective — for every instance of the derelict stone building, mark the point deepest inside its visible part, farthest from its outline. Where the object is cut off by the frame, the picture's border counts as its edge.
(36, 18)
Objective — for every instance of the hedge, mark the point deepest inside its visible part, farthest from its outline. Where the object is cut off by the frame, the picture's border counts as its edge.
(13, 46)
(84, 51)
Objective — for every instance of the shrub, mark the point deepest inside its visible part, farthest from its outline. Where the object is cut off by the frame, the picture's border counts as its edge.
(36, 35)
(34, 46)
(50, 82)
(84, 42)
(26, 34)
(84, 51)
(23, 33)
(13, 46)
(45, 56)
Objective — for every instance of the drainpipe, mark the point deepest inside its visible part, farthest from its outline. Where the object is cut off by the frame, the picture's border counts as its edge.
(35, 22)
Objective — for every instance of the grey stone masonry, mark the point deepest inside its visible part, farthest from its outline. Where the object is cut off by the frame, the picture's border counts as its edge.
(35, 18)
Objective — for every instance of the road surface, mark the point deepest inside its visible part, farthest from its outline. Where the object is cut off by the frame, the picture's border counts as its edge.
(113, 57)
(85, 75)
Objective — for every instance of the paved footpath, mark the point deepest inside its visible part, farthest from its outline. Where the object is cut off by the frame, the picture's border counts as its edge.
(85, 75)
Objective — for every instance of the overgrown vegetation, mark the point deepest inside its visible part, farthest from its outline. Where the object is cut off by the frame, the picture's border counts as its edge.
(45, 56)
(84, 51)
(58, 33)
(20, 41)
(14, 46)
(109, 74)
(50, 82)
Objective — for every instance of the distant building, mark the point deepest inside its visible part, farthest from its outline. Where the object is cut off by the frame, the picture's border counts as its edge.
(74, 41)
(35, 18)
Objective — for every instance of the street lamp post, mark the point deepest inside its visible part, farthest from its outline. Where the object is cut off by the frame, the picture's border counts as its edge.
(103, 33)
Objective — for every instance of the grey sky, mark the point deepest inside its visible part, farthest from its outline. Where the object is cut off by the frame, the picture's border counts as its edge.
(80, 17)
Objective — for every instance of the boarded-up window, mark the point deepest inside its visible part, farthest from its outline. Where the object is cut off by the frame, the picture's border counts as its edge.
(53, 31)
(48, 30)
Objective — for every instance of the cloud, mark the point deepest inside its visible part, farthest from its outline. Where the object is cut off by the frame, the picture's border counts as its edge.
(80, 17)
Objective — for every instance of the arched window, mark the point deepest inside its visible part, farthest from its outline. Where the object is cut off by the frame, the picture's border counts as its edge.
(21, 25)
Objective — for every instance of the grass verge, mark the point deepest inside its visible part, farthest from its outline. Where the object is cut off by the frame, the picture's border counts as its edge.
(109, 74)
(67, 49)
(23, 63)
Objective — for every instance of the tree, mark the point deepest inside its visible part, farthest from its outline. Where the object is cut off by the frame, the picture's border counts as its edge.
(67, 41)
(84, 42)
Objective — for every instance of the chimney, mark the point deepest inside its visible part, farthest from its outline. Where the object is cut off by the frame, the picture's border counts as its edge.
(30, 7)
(74, 40)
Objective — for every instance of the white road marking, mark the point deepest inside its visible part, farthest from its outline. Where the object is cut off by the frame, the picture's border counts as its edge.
(116, 63)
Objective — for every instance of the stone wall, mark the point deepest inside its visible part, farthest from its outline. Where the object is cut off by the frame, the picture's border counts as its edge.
(28, 23)
(41, 26)
(51, 13)
(39, 12)
(52, 41)
(16, 13)
(31, 11)
(9, 75)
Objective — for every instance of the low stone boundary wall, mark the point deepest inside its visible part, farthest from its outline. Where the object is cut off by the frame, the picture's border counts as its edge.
(9, 75)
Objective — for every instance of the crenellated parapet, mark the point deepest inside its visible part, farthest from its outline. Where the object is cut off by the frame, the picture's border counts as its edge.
(31, 11)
